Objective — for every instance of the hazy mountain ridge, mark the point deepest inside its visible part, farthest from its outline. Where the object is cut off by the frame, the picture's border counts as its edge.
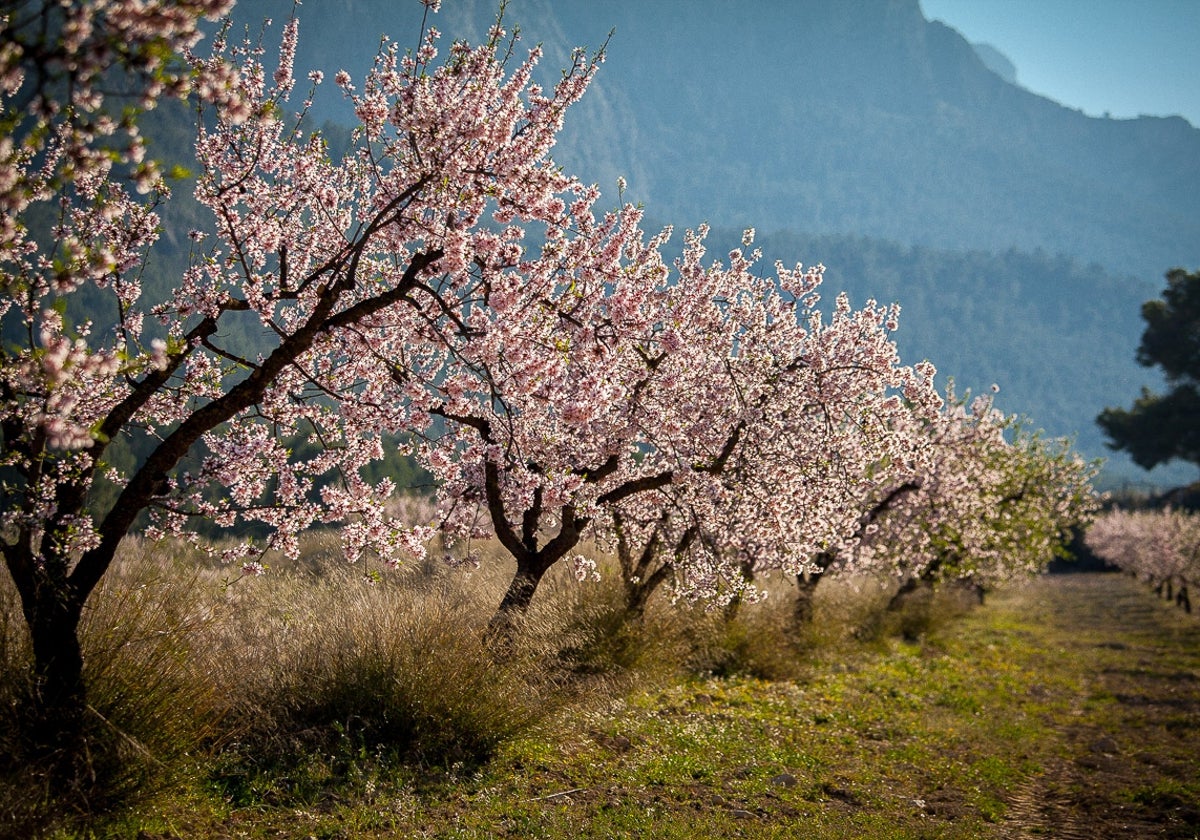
(997, 62)
(859, 118)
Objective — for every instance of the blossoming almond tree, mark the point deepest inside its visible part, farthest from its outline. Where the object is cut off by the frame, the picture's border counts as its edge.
(701, 411)
(549, 395)
(341, 262)
(978, 508)
(987, 510)
(917, 536)
(819, 397)
(1161, 547)
(69, 225)
(1042, 495)
(539, 389)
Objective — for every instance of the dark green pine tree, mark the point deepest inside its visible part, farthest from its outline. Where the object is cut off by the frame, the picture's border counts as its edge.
(1162, 427)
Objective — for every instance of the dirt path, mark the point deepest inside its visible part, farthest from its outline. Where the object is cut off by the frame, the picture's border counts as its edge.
(1127, 764)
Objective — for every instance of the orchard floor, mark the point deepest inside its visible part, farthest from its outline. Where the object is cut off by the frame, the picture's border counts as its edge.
(1068, 708)
(1125, 760)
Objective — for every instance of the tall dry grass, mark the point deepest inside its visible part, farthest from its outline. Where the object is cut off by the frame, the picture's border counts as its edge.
(286, 687)
(327, 673)
(150, 704)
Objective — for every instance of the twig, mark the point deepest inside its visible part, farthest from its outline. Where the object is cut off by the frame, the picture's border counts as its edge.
(556, 795)
(133, 742)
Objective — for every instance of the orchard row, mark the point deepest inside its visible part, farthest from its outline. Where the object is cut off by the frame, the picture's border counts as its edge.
(1161, 547)
(443, 283)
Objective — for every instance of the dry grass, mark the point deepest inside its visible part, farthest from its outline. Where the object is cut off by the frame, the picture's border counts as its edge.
(291, 685)
(150, 704)
(345, 670)
(316, 679)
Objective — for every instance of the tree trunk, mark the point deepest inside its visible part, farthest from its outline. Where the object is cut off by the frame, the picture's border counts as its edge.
(904, 592)
(637, 595)
(806, 586)
(53, 715)
(515, 603)
(1182, 599)
(735, 603)
(59, 701)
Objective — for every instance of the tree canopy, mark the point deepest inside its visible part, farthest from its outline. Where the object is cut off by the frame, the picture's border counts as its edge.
(1161, 427)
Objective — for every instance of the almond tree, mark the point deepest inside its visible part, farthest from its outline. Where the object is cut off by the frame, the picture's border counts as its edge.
(70, 163)
(703, 417)
(563, 395)
(822, 396)
(988, 508)
(899, 525)
(977, 508)
(342, 262)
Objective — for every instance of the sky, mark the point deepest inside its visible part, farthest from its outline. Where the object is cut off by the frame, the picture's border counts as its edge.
(1121, 57)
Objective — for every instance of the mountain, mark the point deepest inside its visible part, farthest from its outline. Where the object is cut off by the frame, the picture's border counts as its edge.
(862, 122)
(865, 118)
(860, 118)
(997, 62)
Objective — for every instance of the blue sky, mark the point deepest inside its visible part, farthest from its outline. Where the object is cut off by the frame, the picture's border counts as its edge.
(1123, 57)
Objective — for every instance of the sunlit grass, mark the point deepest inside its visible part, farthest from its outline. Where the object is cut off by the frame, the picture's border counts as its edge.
(317, 702)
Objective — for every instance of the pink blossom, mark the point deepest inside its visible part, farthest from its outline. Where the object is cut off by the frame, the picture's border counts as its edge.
(584, 568)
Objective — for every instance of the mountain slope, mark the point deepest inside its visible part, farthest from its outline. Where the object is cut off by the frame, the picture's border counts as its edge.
(859, 118)
(865, 118)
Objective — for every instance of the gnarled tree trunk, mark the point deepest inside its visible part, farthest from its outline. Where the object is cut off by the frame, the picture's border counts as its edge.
(531, 568)
(806, 588)
(52, 610)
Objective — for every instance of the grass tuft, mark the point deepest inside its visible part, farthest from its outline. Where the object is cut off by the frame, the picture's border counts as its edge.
(344, 674)
(150, 708)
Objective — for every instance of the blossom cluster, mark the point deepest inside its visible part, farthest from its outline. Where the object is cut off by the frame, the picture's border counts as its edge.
(991, 503)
